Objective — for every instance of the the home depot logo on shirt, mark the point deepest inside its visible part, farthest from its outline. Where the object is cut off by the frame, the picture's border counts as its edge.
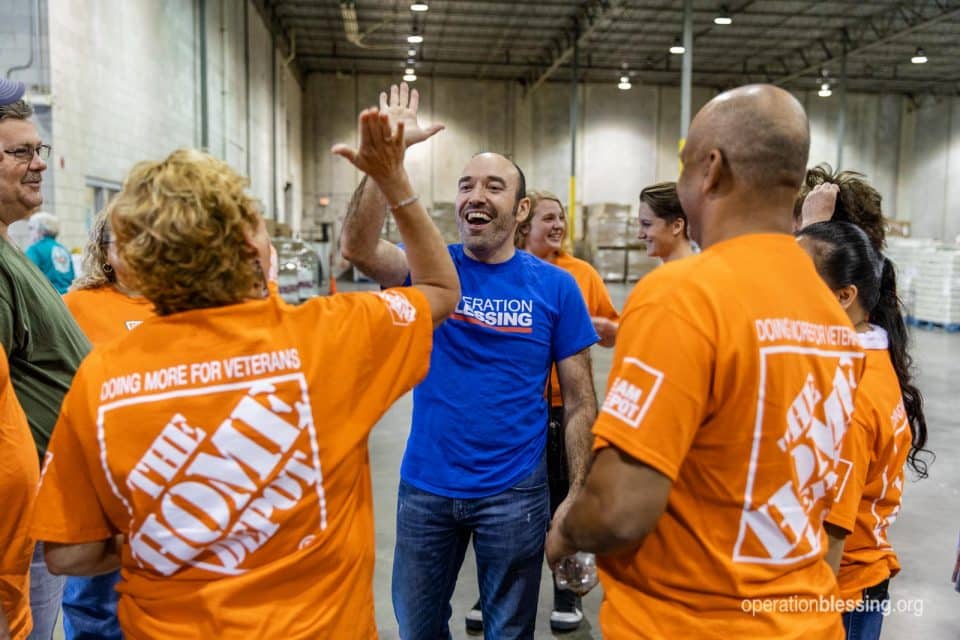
(892, 477)
(784, 504)
(218, 483)
(512, 315)
(401, 309)
(631, 393)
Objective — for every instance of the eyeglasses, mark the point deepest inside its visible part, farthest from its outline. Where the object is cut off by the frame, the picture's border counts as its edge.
(26, 152)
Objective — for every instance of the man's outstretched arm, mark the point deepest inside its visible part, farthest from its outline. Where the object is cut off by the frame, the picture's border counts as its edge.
(360, 240)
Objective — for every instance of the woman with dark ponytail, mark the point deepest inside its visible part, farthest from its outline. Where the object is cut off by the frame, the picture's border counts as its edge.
(888, 430)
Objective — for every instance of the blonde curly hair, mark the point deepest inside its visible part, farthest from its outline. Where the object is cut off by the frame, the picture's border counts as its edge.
(97, 271)
(181, 227)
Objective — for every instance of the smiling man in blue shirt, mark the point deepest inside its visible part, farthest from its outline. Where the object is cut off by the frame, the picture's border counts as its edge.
(474, 466)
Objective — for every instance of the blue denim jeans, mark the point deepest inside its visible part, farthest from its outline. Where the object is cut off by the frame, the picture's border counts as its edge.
(46, 591)
(863, 625)
(90, 608)
(508, 531)
(865, 621)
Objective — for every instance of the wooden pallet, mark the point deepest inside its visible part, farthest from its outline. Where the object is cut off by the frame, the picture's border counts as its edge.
(949, 327)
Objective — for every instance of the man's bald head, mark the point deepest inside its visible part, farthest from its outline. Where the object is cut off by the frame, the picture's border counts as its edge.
(762, 132)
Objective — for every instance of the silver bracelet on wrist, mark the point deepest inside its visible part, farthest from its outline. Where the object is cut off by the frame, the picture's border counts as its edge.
(403, 203)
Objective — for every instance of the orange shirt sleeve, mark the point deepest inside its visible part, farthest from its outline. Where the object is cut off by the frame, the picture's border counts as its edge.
(384, 338)
(401, 338)
(68, 507)
(598, 298)
(855, 457)
(658, 387)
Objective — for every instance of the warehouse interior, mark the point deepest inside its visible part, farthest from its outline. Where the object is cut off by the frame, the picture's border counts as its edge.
(590, 97)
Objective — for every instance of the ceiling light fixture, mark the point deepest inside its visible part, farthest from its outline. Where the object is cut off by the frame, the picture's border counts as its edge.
(410, 71)
(825, 90)
(409, 77)
(419, 6)
(724, 18)
(415, 39)
(411, 52)
(624, 84)
(677, 48)
(919, 57)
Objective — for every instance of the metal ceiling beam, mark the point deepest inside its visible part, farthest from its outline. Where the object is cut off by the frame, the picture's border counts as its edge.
(704, 77)
(594, 14)
(866, 27)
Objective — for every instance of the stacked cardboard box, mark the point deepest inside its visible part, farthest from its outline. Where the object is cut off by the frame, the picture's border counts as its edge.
(906, 254)
(608, 238)
(444, 216)
(937, 287)
(639, 264)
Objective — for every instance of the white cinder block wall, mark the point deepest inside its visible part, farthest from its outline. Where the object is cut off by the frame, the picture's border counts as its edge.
(126, 85)
(930, 174)
(626, 139)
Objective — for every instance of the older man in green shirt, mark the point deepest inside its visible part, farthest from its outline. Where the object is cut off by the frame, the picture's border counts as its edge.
(43, 343)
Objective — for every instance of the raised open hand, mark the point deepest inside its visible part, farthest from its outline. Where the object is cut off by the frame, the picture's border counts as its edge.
(819, 204)
(401, 107)
(380, 154)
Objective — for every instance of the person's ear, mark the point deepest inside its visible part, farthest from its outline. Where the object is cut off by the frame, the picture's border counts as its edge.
(676, 227)
(523, 210)
(714, 171)
(847, 295)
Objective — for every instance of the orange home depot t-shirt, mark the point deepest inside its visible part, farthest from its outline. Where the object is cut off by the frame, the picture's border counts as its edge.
(596, 296)
(734, 375)
(106, 314)
(19, 474)
(229, 446)
(871, 483)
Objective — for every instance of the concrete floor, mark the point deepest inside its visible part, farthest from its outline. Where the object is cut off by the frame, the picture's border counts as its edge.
(925, 535)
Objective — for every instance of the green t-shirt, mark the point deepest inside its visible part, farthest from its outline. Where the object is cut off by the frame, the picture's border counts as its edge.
(43, 342)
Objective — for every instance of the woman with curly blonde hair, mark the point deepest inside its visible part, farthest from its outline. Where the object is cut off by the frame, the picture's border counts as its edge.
(225, 439)
(105, 307)
(102, 300)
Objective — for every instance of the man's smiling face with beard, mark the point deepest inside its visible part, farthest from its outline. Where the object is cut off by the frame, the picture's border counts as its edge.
(20, 180)
(487, 207)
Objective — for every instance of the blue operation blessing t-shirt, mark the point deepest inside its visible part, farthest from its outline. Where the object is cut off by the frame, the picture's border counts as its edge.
(480, 415)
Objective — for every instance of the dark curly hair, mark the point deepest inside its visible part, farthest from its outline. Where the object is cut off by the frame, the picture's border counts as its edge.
(858, 202)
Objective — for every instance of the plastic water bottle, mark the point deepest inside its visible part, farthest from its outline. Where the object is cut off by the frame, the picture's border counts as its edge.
(577, 573)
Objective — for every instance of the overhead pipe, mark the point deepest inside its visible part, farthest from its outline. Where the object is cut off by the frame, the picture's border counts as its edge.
(204, 97)
(351, 27)
(246, 80)
(34, 40)
(574, 116)
(273, 124)
(686, 74)
(842, 116)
